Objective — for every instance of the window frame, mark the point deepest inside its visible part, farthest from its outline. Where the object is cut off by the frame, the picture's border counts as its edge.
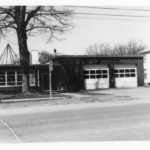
(17, 74)
(127, 73)
(101, 72)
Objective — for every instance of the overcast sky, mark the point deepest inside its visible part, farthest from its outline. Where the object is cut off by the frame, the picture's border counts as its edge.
(95, 29)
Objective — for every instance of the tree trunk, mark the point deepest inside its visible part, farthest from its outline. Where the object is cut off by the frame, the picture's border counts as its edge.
(24, 60)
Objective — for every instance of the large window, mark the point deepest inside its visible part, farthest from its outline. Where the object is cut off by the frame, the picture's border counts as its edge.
(122, 73)
(14, 78)
(93, 74)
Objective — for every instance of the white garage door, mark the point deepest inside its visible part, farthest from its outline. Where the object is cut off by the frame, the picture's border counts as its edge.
(96, 76)
(125, 76)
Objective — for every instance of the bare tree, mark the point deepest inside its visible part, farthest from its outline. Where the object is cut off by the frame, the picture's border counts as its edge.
(132, 48)
(102, 49)
(46, 20)
(44, 56)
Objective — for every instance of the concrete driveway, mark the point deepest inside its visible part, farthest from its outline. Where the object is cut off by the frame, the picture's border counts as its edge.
(139, 93)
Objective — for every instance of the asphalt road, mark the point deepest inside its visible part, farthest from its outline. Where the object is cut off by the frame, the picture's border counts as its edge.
(91, 122)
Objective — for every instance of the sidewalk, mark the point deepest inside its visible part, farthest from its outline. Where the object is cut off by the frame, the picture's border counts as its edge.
(101, 96)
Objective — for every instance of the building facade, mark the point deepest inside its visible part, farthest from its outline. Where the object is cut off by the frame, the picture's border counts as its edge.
(98, 72)
(75, 73)
(146, 55)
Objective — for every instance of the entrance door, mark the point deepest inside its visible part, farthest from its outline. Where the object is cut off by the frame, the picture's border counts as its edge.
(45, 81)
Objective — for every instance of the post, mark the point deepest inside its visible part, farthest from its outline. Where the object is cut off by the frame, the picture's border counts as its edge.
(50, 74)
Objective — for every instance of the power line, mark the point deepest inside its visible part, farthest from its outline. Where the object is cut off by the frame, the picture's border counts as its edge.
(110, 8)
(112, 15)
(122, 19)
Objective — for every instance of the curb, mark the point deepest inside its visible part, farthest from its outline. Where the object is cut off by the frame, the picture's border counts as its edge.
(31, 99)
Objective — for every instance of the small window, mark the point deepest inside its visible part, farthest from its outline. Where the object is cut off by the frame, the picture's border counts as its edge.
(92, 76)
(19, 77)
(127, 70)
(116, 71)
(98, 76)
(121, 75)
(86, 72)
(132, 70)
(92, 71)
(11, 78)
(127, 75)
(98, 71)
(104, 71)
(133, 75)
(121, 70)
(104, 76)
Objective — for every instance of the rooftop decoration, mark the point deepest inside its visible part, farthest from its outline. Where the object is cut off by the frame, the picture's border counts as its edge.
(8, 56)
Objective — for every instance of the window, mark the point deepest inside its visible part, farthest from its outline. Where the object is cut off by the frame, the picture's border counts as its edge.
(14, 78)
(32, 77)
(121, 73)
(10, 77)
(19, 77)
(2, 78)
(95, 73)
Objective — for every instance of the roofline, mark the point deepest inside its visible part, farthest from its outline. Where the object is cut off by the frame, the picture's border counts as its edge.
(11, 65)
(97, 56)
(144, 51)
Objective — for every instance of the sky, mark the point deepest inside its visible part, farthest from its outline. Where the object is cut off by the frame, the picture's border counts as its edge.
(94, 29)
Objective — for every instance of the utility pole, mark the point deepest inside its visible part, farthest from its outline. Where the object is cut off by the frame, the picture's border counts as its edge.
(50, 74)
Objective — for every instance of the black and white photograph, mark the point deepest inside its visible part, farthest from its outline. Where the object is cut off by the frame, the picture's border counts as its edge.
(74, 73)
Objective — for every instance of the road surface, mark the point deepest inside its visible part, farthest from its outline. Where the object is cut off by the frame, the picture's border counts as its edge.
(91, 122)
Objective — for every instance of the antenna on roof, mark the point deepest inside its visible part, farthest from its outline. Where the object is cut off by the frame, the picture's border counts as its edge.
(55, 51)
(8, 56)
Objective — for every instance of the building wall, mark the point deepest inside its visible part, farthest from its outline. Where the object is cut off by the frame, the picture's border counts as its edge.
(147, 68)
(67, 74)
(70, 76)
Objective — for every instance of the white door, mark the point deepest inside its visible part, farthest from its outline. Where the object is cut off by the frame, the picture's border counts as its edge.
(96, 77)
(125, 76)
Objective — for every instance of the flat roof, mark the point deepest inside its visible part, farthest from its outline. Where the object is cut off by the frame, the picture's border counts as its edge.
(96, 56)
(144, 51)
(12, 65)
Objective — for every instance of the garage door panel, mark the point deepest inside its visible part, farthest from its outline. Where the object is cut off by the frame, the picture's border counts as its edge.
(97, 86)
(125, 76)
(96, 76)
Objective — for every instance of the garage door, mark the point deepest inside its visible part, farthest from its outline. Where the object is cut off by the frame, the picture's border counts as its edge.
(96, 77)
(125, 76)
